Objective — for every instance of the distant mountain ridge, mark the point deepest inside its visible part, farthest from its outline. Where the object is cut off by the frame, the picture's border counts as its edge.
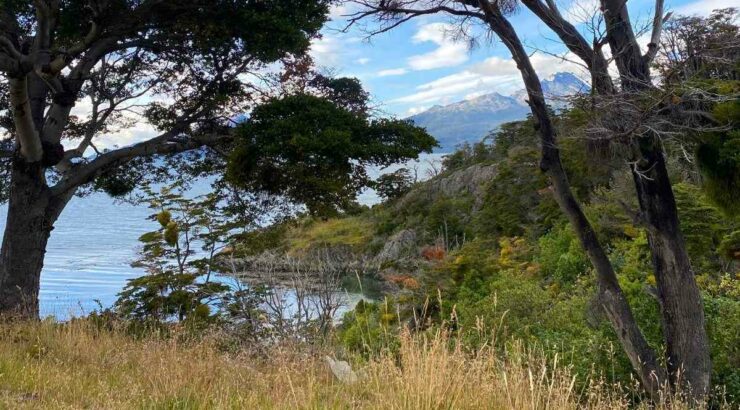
(473, 119)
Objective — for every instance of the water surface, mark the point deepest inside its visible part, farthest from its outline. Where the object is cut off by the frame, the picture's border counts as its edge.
(88, 259)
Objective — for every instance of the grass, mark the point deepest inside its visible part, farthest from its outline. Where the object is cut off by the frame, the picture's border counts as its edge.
(353, 232)
(50, 366)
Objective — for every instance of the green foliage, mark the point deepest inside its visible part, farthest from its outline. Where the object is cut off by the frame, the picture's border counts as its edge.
(521, 273)
(703, 53)
(371, 328)
(466, 155)
(260, 240)
(168, 296)
(561, 256)
(517, 196)
(729, 248)
(393, 185)
(314, 150)
(177, 285)
(352, 232)
(718, 153)
(118, 182)
(449, 219)
(702, 225)
(723, 327)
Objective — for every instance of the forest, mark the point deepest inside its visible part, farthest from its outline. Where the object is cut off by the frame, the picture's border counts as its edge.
(586, 256)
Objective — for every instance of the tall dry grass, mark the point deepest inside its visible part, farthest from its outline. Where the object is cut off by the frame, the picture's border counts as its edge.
(45, 365)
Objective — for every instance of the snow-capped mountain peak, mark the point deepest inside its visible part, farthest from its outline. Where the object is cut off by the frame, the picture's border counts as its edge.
(472, 119)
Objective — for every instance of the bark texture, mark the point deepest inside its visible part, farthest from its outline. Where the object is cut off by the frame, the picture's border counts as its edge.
(614, 304)
(683, 320)
(27, 231)
(684, 329)
(684, 326)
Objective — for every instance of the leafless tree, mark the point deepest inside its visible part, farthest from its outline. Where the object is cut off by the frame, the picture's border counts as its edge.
(302, 294)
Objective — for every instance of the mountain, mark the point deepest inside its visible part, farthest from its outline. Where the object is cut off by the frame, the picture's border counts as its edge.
(556, 87)
(471, 120)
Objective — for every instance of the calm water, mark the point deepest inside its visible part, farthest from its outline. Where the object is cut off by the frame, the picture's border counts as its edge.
(89, 254)
(91, 248)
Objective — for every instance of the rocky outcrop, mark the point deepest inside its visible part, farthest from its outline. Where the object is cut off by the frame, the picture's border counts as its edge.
(399, 246)
(467, 181)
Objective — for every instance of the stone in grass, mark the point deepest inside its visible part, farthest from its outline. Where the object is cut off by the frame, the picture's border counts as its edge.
(342, 370)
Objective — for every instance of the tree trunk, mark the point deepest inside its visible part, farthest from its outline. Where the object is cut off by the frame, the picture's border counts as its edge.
(644, 360)
(27, 231)
(687, 344)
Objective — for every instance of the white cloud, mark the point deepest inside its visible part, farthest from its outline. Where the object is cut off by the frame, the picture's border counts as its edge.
(493, 74)
(581, 11)
(495, 66)
(705, 7)
(449, 52)
(474, 95)
(392, 72)
(446, 88)
(547, 65)
(326, 51)
(341, 10)
(362, 61)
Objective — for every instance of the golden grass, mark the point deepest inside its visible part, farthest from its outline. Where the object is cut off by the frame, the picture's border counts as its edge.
(43, 365)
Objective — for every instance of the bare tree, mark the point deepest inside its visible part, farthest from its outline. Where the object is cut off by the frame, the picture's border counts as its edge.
(302, 294)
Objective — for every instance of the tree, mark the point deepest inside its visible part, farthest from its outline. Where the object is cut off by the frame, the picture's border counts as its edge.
(702, 54)
(316, 150)
(394, 184)
(190, 69)
(636, 118)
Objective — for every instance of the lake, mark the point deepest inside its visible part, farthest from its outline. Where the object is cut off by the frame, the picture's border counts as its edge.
(93, 244)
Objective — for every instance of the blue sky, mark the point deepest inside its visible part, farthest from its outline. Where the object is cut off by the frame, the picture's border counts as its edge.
(420, 64)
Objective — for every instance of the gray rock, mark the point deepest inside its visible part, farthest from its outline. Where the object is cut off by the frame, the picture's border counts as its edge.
(341, 370)
(467, 181)
(401, 244)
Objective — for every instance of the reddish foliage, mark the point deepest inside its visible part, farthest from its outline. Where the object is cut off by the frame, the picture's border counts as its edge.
(404, 281)
(433, 253)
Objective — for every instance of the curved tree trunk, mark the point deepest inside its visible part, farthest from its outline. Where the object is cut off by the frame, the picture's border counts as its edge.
(27, 231)
(688, 359)
(644, 360)
(684, 328)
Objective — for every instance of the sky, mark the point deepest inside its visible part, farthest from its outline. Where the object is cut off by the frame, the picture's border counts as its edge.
(420, 64)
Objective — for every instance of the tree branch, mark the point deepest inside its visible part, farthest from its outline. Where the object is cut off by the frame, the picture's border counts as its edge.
(658, 21)
(25, 130)
(166, 143)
